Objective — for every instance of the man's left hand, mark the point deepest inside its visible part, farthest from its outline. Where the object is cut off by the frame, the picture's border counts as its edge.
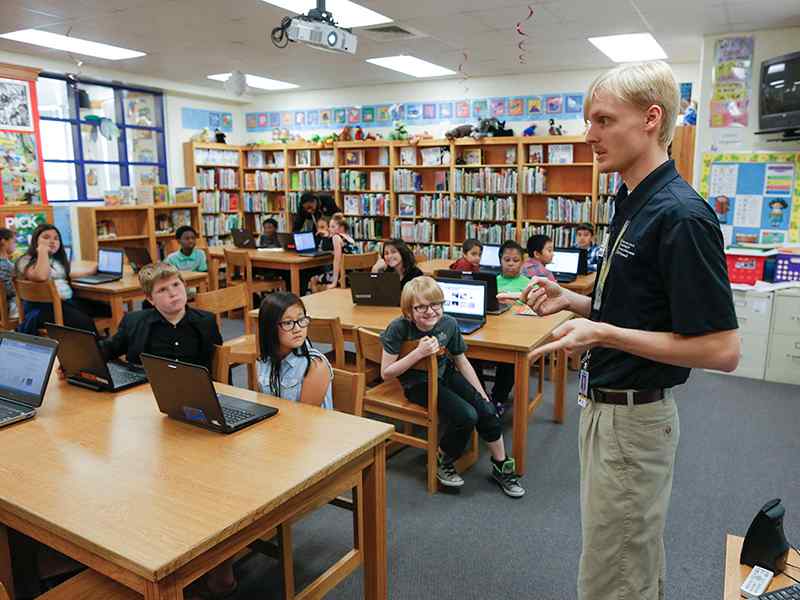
(574, 337)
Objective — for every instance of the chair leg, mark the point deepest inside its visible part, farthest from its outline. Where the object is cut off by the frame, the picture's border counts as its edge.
(433, 449)
(287, 562)
(252, 377)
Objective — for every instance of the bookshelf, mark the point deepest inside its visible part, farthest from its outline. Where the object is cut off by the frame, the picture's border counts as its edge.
(264, 194)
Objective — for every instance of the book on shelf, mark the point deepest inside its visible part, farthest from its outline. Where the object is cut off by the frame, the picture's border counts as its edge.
(487, 180)
(312, 179)
(534, 180)
(276, 158)
(145, 194)
(163, 223)
(261, 202)
(490, 234)
(127, 195)
(414, 231)
(365, 228)
(366, 204)
(604, 210)
(408, 155)
(563, 236)
(218, 201)
(536, 153)
(377, 180)
(488, 209)
(112, 198)
(434, 252)
(256, 159)
(106, 230)
(207, 156)
(302, 158)
(560, 154)
(185, 195)
(326, 158)
(472, 156)
(436, 206)
(161, 194)
(228, 178)
(407, 205)
(181, 217)
(354, 157)
(259, 181)
(383, 156)
(569, 210)
(206, 179)
(608, 183)
(407, 180)
(511, 155)
(435, 156)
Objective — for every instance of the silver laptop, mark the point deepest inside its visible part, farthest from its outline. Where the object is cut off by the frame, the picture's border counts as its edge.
(25, 365)
(306, 244)
(565, 265)
(465, 300)
(110, 262)
(490, 258)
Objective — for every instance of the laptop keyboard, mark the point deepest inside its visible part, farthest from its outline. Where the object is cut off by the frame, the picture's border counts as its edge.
(121, 376)
(234, 415)
(7, 413)
(788, 593)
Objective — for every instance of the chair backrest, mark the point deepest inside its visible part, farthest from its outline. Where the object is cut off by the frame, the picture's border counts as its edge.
(38, 291)
(348, 391)
(224, 300)
(220, 364)
(5, 311)
(238, 259)
(357, 262)
(329, 331)
(420, 257)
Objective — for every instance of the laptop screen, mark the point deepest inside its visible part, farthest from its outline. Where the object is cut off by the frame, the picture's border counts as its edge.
(565, 261)
(24, 370)
(464, 298)
(490, 256)
(109, 261)
(304, 241)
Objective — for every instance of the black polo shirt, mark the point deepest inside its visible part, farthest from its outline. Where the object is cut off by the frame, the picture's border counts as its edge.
(181, 341)
(668, 274)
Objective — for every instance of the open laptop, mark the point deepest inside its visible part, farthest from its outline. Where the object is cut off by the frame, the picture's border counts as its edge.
(25, 365)
(185, 392)
(493, 307)
(566, 264)
(490, 258)
(138, 257)
(465, 300)
(243, 239)
(82, 361)
(109, 267)
(306, 244)
(375, 289)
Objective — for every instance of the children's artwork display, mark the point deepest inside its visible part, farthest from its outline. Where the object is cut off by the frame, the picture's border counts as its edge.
(730, 98)
(198, 118)
(755, 195)
(16, 112)
(19, 168)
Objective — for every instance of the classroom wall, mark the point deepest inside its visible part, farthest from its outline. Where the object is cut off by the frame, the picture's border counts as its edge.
(767, 44)
(450, 89)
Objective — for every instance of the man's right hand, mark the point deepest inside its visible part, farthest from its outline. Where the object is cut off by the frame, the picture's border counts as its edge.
(545, 296)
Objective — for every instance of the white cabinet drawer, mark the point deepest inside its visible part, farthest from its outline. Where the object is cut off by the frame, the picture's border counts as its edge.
(753, 311)
(753, 358)
(784, 359)
(787, 315)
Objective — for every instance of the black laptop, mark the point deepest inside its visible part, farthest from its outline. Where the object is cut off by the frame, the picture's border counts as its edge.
(25, 365)
(286, 240)
(465, 300)
(375, 289)
(493, 307)
(109, 267)
(306, 244)
(566, 264)
(138, 257)
(490, 258)
(185, 392)
(83, 363)
(243, 239)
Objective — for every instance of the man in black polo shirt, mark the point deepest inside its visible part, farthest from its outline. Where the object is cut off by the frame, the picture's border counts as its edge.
(661, 306)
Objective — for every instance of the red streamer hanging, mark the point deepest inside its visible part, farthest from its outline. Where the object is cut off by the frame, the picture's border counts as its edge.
(520, 31)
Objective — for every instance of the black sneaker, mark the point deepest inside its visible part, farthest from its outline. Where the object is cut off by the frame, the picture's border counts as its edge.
(446, 473)
(506, 477)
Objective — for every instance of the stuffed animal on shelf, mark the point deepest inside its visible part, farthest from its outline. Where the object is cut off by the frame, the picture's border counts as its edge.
(555, 129)
(359, 134)
(491, 128)
(219, 137)
(529, 131)
(417, 137)
(346, 135)
(461, 131)
(202, 137)
(399, 132)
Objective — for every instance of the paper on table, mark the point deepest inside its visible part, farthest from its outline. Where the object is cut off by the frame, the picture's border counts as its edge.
(270, 249)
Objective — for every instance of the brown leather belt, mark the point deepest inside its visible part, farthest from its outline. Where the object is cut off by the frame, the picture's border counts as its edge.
(639, 397)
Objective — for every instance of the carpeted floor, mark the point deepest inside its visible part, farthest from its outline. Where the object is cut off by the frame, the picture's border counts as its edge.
(740, 446)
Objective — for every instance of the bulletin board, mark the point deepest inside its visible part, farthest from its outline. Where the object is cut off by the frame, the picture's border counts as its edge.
(756, 195)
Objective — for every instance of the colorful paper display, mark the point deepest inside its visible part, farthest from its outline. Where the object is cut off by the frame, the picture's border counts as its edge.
(198, 118)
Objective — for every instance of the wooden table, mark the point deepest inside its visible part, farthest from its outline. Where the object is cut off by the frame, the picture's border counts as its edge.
(506, 338)
(735, 573)
(155, 503)
(279, 260)
(117, 293)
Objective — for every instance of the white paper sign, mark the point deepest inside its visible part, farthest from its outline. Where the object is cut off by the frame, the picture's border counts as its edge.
(727, 234)
(747, 211)
(722, 180)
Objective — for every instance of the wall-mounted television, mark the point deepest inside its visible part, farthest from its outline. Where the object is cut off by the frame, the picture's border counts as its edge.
(779, 98)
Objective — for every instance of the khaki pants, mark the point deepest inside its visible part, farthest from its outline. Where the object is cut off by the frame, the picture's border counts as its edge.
(627, 457)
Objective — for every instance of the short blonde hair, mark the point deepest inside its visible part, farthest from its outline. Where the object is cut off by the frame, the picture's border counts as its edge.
(424, 289)
(151, 274)
(340, 221)
(643, 85)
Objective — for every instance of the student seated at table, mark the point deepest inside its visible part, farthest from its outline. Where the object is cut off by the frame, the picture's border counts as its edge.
(462, 400)
(170, 329)
(398, 258)
(45, 260)
(322, 229)
(340, 243)
(8, 244)
(188, 257)
(540, 254)
(269, 234)
(470, 259)
(308, 212)
(584, 239)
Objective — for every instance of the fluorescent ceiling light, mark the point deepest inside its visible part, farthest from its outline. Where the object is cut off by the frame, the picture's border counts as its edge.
(56, 41)
(629, 47)
(411, 65)
(254, 81)
(345, 13)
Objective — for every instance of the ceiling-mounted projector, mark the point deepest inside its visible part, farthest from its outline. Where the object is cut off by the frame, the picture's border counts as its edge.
(317, 29)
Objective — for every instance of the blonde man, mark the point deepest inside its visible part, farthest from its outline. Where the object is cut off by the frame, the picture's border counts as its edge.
(169, 329)
(661, 306)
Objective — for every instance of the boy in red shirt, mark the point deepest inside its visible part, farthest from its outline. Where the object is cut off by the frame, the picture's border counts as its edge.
(471, 257)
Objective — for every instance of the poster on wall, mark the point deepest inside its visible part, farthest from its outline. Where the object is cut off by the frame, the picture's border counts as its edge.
(23, 224)
(198, 118)
(15, 105)
(732, 75)
(19, 168)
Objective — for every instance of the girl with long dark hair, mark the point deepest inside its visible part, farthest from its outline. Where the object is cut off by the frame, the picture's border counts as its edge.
(398, 258)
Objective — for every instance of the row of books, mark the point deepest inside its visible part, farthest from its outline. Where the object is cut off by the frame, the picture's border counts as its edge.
(435, 252)
(212, 179)
(168, 222)
(313, 179)
(563, 236)
(354, 157)
(414, 231)
(534, 180)
(305, 158)
(432, 207)
(608, 183)
(217, 201)
(604, 210)
(433, 156)
(204, 156)
(490, 208)
(367, 204)
(569, 210)
(271, 181)
(487, 180)
(259, 202)
(218, 225)
(257, 159)
(490, 234)
(358, 181)
(367, 229)
(406, 180)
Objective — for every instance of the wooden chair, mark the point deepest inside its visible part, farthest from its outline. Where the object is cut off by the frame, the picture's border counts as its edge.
(329, 331)
(388, 400)
(46, 292)
(356, 262)
(240, 350)
(239, 260)
(420, 257)
(90, 585)
(6, 322)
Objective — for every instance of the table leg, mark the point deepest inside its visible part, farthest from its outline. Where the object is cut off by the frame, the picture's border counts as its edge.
(559, 387)
(295, 280)
(374, 498)
(117, 312)
(166, 589)
(6, 573)
(520, 424)
(213, 273)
